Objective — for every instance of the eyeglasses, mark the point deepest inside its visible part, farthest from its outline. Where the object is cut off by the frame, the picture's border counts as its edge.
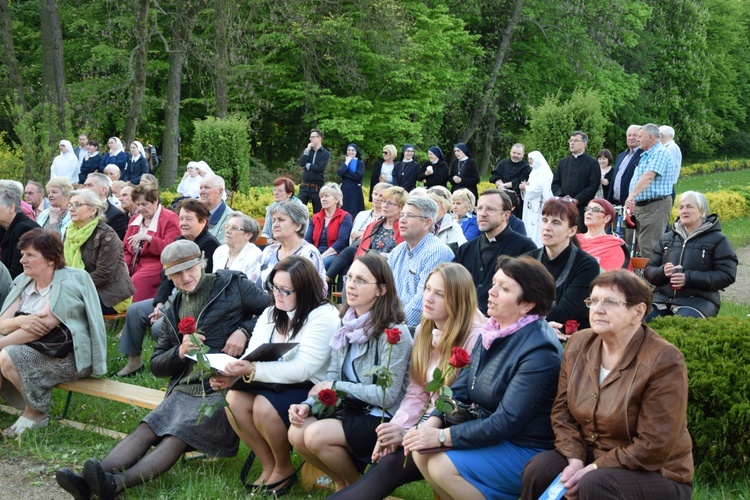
(490, 210)
(596, 210)
(573, 141)
(608, 303)
(401, 215)
(281, 291)
(390, 203)
(77, 205)
(357, 282)
(233, 228)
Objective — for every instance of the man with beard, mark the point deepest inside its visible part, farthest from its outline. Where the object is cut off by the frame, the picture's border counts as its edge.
(511, 172)
(479, 255)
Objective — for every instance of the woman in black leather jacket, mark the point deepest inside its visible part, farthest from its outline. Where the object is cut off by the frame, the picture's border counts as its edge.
(691, 263)
(512, 379)
(225, 306)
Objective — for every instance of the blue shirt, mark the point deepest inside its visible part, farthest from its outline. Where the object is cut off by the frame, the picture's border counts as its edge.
(411, 268)
(655, 160)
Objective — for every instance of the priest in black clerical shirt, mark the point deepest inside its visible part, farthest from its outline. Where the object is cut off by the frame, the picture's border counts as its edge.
(577, 175)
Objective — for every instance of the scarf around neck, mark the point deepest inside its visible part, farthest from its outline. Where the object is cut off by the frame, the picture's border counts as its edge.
(352, 330)
(75, 237)
(491, 331)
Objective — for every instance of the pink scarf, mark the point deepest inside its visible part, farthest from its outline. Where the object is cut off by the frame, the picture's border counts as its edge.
(351, 331)
(491, 331)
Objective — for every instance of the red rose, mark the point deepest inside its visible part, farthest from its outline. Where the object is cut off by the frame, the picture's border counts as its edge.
(393, 335)
(459, 358)
(327, 397)
(187, 325)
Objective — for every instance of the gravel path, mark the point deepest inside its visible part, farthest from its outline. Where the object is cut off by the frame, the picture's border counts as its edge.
(28, 479)
(740, 290)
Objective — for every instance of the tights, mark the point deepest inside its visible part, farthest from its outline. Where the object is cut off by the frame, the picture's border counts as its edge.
(132, 464)
(382, 479)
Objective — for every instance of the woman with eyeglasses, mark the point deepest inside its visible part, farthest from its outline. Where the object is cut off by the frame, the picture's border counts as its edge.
(620, 416)
(382, 171)
(239, 251)
(365, 217)
(572, 268)
(352, 171)
(691, 263)
(149, 232)
(283, 190)
(263, 391)
(380, 236)
(434, 171)
(609, 250)
(56, 217)
(91, 244)
(342, 446)
(220, 306)
(450, 318)
(510, 384)
(289, 224)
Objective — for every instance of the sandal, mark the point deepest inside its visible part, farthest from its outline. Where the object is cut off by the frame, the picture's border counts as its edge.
(24, 424)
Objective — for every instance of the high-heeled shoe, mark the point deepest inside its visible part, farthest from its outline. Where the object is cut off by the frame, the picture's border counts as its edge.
(102, 484)
(281, 488)
(73, 483)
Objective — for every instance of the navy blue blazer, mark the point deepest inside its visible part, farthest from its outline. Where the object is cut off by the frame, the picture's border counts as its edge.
(626, 177)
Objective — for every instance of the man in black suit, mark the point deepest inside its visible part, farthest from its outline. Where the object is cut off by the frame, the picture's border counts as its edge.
(13, 224)
(623, 172)
(577, 175)
(116, 218)
(80, 151)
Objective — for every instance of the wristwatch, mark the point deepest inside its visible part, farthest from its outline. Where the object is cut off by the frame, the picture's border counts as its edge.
(441, 438)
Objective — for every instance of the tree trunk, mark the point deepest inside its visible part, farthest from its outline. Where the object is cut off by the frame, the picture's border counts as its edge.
(180, 38)
(53, 70)
(10, 56)
(489, 138)
(138, 80)
(501, 57)
(221, 61)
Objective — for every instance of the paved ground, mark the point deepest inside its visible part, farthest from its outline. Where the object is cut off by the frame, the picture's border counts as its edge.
(740, 291)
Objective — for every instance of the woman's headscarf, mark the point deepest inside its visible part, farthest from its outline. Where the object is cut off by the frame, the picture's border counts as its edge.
(141, 152)
(68, 148)
(356, 148)
(539, 160)
(463, 148)
(118, 142)
(437, 152)
(403, 150)
(203, 166)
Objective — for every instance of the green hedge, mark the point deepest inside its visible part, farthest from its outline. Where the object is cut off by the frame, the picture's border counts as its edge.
(717, 353)
(225, 146)
(713, 167)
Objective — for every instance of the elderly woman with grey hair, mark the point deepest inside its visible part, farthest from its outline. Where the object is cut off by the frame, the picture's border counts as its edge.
(56, 217)
(464, 203)
(13, 224)
(446, 229)
(240, 252)
(92, 245)
(329, 229)
(691, 263)
(289, 221)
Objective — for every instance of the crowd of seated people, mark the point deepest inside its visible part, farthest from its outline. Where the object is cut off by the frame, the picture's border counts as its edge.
(524, 413)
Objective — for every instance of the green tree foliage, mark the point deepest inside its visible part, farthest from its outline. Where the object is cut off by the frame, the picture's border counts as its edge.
(551, 124)
(225, 146)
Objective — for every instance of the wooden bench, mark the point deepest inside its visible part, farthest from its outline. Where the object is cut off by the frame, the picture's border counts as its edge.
(114, 319)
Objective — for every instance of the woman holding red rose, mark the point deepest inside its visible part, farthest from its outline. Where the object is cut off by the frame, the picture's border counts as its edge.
(260, 405)
(450, 327)
(225, 304)
(511, 382)
(341, 446)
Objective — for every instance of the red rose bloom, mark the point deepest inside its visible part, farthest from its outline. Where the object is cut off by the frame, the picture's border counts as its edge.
(459, 358)
(393, 335)
(327, 397)
(187, 325)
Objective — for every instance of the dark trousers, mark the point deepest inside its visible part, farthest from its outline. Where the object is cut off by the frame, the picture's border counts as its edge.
(382, 479)
(308, 193)
(601, 484)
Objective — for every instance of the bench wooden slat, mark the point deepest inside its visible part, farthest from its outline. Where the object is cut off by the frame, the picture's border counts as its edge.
(115, 391)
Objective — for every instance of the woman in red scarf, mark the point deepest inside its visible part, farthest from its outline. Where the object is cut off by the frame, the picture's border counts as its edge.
(329, 229)
(609, 250)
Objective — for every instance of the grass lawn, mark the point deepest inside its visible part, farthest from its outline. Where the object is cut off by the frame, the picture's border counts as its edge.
(713, 182)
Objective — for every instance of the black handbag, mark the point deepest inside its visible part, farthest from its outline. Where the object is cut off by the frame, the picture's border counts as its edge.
(56, 343)
(464, 413)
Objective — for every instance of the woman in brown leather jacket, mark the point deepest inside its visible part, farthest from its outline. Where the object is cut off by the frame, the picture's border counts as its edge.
(620, 417)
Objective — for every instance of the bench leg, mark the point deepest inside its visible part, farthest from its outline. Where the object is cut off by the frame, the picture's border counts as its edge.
(67, 405)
